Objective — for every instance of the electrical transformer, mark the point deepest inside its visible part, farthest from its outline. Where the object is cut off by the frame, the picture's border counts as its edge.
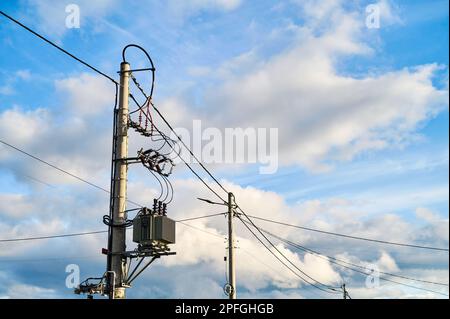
(151, 229)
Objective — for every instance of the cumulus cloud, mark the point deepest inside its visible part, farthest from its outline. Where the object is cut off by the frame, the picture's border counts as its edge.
(85, 94)
(201, 246)
(21, 291)
(365, 114)
(435, 224)
(73, 135)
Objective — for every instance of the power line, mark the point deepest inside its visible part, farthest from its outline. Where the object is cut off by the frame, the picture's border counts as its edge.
(188, 149)
(92, 232)
(167, 123)
(349, 236)
(353, 269)
(182, 159)
(148, 99)
(200, 217)
(221, 238)
(202, 230)
(333, 290)
(58, 47)
(283, 263)
(53, 236)
(159, 113)
(49, 259)
(300, 227)
(62, 170)
(337, 261)
(115, 82)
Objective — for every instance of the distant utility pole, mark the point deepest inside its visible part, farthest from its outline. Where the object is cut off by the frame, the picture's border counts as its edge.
(117, 266)
(344, 291)
(231, 268)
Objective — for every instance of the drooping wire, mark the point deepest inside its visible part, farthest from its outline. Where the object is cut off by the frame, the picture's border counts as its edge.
(58, 47)
(160, 185)
(183, 160)
(199, 217)
(148, 98)
(285, 264)
(10, 240)
(188, 165)
(350, 236)
(337, 262)
(188, 149)
(273, 246)
(52, 236)
(333, 260)
(170, 187)
(111, 79)
(62, 170)
(114, 81)
(340, 262)
(166, 195)
(151, 63)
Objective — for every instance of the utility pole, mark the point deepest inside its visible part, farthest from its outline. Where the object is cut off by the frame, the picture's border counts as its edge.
(117, 249)
(345, 291)
(153, 231)
(231, 269)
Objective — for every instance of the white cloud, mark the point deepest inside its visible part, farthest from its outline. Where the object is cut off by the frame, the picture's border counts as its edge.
(22, 126)
(23, 291)
(436, 225)
(73, 135)
(85, 94)
(427, 215)
(324, 116)
(200, 253)
(389, 13)
(387, 263)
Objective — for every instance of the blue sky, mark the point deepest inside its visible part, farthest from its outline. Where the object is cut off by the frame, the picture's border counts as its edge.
(310, 68)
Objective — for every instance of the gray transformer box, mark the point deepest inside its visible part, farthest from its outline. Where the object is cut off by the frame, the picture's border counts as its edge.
(164, 229)
(143, 229)
(148, 229)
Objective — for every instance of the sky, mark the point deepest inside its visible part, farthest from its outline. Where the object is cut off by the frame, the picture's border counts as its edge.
(362, 117)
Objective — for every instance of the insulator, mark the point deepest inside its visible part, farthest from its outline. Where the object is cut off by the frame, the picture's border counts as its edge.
(155, 205)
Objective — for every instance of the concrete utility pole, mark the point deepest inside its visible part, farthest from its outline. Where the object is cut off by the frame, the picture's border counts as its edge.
(118, 261)
(232, 276)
